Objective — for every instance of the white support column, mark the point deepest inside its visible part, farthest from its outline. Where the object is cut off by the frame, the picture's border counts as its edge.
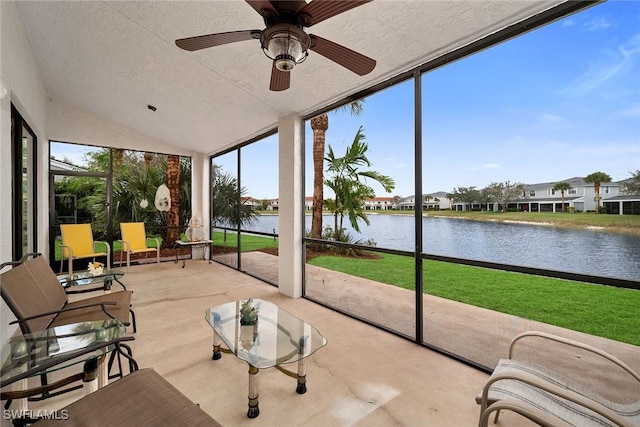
(290, 205)
(200, 187)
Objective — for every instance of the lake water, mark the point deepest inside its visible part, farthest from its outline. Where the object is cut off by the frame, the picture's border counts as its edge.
(584, 251)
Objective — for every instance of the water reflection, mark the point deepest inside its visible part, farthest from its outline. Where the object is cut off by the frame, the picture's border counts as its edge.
(583, 251)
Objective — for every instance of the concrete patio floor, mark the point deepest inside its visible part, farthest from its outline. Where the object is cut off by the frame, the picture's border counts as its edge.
(364, 376)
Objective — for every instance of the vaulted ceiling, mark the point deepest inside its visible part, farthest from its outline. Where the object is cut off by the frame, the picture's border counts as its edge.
(115, 58)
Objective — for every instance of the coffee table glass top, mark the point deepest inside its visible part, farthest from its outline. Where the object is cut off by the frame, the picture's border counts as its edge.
(278, 338)
(81, 278)
(57, 347)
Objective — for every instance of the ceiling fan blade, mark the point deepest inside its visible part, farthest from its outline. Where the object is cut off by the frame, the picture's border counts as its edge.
(280, 80)
(319, 10)
(263, 5)
(339, 54)
(217, 39)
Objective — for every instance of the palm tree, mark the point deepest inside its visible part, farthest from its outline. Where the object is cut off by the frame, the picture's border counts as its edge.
(225, 201)
(349, 184)
(173, 182)
(319, 125)
(562, 187)
(597, 178)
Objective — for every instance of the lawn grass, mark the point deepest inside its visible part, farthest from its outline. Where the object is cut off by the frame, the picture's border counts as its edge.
(594, 309)
(249, 242)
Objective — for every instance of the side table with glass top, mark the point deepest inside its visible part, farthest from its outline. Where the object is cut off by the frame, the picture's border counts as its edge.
(54, 349)
(196, 244)
(85, 281)
(278, 338)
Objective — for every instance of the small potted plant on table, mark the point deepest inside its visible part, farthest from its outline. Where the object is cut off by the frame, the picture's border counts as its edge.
(248, 323)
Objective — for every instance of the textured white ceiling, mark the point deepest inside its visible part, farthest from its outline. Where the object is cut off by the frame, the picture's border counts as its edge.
(115, 58)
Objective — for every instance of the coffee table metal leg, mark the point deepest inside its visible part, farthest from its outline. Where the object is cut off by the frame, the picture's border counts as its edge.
(217, 342)
(302, 364)
(302, 376)
(253, 411)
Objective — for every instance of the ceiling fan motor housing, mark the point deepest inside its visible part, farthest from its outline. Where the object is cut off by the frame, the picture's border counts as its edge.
(286, 44)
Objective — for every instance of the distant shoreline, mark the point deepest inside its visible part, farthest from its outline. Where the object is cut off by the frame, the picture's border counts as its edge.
(628, 224)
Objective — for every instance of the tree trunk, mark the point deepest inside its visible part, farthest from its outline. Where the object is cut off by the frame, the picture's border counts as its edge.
(319, 124)
(118, 154)
(596, 190)
(147, 158)
(173, 216)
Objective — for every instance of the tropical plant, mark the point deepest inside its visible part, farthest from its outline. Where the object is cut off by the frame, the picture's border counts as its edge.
(632, 187)
(319, 125)
(596, 179)
(134, 187)
(562, 187)
(229, 208)
(349, 183)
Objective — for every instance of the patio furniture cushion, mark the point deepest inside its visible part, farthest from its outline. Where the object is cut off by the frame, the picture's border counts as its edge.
(142, 398)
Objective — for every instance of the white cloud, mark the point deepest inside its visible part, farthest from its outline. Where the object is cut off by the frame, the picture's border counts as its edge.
(548, 117)
(596, 24)
(568, 23)
(490, 166)
(606, 68)
(632, 111)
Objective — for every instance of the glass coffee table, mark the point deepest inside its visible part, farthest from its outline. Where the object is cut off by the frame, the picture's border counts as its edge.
(56, 348)
(277, 339)
(85, 281)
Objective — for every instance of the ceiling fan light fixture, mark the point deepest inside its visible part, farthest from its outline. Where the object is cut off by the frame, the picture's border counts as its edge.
(286, 45)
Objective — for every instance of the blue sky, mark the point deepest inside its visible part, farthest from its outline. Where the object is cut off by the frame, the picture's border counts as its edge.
(558, 102)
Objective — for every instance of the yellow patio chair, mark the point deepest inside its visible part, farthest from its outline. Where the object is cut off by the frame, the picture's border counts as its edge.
(135, 240)
(77, 243)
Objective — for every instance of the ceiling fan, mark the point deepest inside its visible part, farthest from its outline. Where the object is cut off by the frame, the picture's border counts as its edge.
(284, 40)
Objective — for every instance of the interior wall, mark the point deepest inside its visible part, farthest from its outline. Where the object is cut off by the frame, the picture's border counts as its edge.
(26, 90)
